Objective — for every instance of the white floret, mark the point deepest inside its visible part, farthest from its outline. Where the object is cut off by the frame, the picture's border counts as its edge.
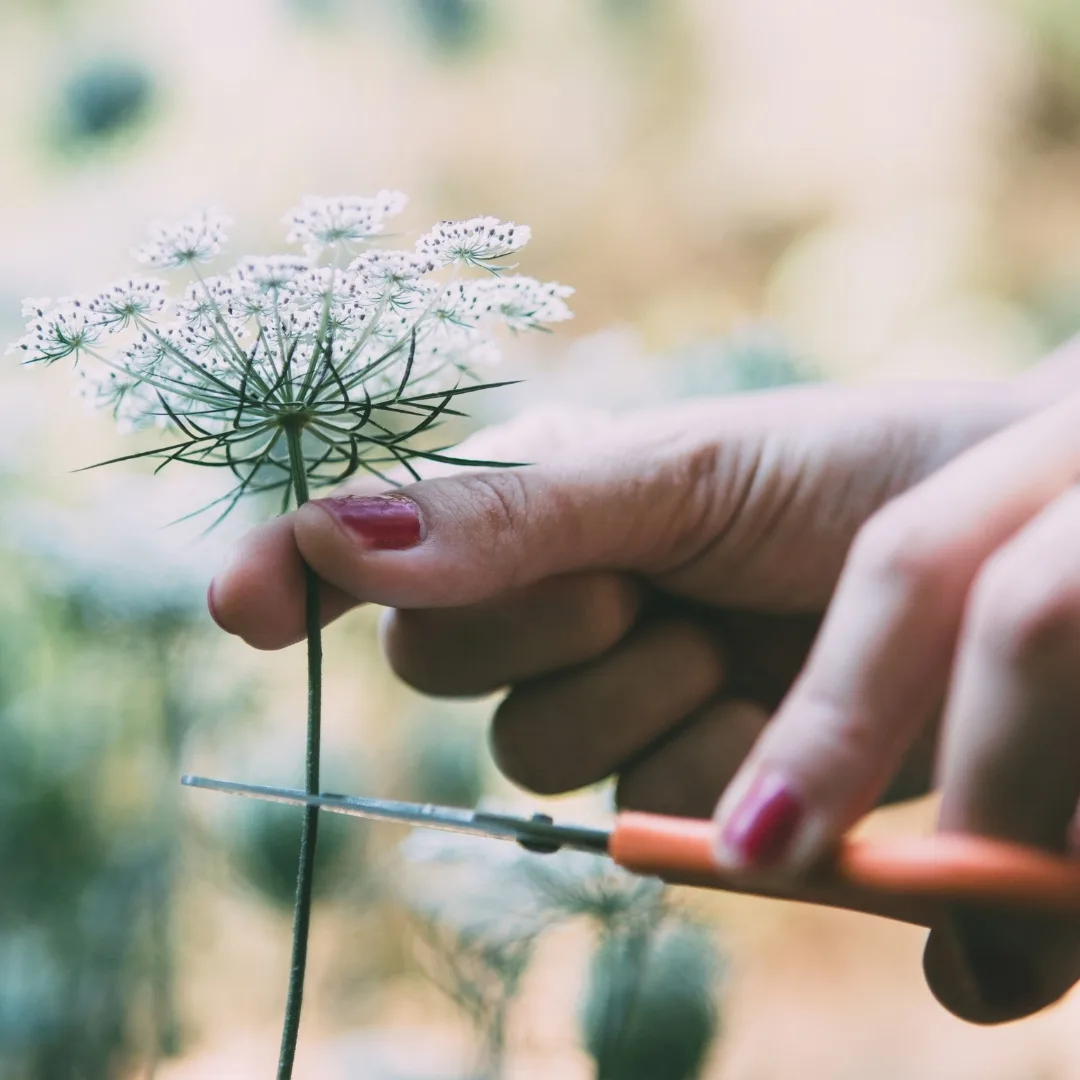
(478, 240)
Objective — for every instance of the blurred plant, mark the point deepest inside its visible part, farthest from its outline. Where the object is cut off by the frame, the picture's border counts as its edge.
(756, 357)
(86, 941)
(478, 923)
(649, 1011)
(440, 763)
(71, 912)
(264, 849)
(1053, 309)
(481, 907)
(610, 369)
(318, 9)
(1055, 98)
(453, 25)
(103, 98)
(121, 576)
(629, 10)
(293, 371)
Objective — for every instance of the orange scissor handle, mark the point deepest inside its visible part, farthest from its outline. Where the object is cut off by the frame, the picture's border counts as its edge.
(905, 878)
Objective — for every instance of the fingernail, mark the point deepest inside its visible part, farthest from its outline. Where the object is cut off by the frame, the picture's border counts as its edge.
(1004, 979)
(382, 522)
(760, 830)
(211, 605)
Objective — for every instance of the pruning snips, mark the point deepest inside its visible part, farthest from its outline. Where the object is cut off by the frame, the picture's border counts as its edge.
(912, 879)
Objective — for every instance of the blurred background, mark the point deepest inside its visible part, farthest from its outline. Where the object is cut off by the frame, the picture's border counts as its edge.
(744, 193)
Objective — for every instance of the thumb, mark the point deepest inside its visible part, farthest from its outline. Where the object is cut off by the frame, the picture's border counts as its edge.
(461, 539)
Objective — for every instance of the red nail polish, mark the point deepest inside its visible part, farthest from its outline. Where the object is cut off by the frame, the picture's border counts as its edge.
(764, 823)
(383, 522)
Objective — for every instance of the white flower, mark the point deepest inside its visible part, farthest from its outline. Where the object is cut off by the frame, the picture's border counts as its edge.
(128, 301)
(476, 241)
(320, 222)
(35, 306)
(525, 303)
(68, 328)
(195, 239)
(395, 275)
(271, 272)
(355, 363)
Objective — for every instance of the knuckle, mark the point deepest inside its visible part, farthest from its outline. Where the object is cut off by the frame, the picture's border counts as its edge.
(501, 500)
(705, 484)
(1025, 611)
(899, 547)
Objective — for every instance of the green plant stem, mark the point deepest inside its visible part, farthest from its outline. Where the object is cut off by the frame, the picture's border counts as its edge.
(309, 832)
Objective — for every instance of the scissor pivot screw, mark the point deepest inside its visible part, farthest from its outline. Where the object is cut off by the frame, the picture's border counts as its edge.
(541, 847)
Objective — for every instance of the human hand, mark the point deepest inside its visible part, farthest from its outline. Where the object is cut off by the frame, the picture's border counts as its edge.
(648, 590)
(961, 595)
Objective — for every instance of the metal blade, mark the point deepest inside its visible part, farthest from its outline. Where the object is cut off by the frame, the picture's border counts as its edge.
(538, 834)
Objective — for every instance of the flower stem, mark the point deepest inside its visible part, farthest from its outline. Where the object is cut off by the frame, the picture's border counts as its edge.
(309, 832)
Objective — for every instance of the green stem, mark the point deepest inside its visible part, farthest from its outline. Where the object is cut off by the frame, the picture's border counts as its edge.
(309, 832)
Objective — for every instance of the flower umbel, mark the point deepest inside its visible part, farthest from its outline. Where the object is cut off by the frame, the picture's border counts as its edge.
(293, 371)
(319, 223)
(352, 358)
(476, 242)
(58, 330)
(198, 237)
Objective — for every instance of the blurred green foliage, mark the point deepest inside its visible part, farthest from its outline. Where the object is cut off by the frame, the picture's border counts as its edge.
(80, 931)
(96, 701)
(481, 908)
(755, 357)
(452, 25)
(103, 97)
(649, 1011)
(440, 762)
(264, 837)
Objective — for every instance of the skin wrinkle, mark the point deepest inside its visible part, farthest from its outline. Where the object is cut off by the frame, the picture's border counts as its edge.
(735, 498)
(852, 493)
(506, 516)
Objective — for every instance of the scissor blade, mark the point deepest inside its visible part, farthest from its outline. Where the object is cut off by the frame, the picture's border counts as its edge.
(450, 818)
(538, 833)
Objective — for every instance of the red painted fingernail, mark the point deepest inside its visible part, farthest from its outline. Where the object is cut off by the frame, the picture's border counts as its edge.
(764, 823)
(383, 522)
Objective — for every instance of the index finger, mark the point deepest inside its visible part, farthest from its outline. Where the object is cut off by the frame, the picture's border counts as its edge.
(881, 662)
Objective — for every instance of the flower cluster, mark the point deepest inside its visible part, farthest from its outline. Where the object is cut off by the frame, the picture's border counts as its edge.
(348, 352)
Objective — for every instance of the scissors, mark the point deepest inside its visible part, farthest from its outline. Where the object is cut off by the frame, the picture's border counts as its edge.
(912, 879)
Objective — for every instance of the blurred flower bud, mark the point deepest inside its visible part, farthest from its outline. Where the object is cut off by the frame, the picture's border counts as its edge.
(268, 839)
(441, 764)
(649, 1011)
(105, 97)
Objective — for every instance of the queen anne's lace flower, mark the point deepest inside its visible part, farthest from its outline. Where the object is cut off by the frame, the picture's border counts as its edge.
(271, 272)
(199, 237)
(319, 223)
(349, 367)
(478, 241)
(394, 274)
(524, 302)
(126, 301)
(58, 330)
